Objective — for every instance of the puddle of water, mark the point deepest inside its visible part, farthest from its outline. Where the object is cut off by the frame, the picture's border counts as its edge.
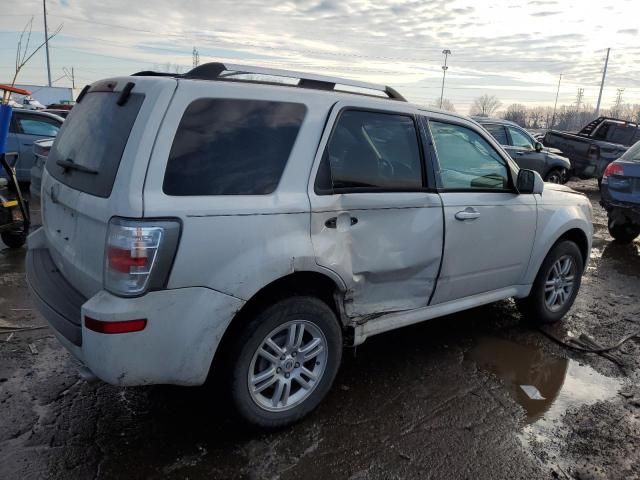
(561, 383)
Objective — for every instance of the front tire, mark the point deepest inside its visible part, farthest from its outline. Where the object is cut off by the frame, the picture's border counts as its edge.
(623, 232)
(556, 175)
(556, 285)
(285, 361)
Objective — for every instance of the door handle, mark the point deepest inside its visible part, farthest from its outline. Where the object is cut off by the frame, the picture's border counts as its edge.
(519, 153)
(333, 222)
(468, 213)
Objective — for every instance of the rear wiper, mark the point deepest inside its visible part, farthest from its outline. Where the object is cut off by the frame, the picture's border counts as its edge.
(68, 164)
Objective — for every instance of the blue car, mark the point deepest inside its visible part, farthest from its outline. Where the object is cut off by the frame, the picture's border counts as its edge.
(620, 195)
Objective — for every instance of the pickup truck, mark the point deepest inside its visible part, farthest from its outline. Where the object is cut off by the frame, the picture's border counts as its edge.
(594, 147)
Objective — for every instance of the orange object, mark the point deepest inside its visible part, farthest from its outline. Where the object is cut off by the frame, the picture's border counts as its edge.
(19, 91)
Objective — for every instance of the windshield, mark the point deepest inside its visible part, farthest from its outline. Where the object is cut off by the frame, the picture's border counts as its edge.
(87, 152)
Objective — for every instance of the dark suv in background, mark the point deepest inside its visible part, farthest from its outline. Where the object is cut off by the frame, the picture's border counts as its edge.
(527, 151)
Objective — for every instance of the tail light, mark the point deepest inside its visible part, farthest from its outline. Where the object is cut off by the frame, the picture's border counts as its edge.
(612, 169)
(139, 255)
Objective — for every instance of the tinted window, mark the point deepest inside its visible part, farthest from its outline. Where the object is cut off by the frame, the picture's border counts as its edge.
(370, 150)
(232, 147)
(467, 161)
(520, 139)
(498, 132)
(94, 137)
(622, 134)
(38, 126)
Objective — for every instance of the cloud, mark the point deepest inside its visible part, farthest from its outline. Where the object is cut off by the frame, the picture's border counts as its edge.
(397, 42)
(545, 14)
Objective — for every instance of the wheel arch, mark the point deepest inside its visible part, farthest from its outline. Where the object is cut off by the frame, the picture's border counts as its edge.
(579, 237)
(311, 283)
(575, 230)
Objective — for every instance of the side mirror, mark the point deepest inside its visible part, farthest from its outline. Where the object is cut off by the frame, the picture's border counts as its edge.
(538, 147)
(529, 182)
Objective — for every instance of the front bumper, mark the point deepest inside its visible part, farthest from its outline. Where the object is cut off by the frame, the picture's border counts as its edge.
(184, 327)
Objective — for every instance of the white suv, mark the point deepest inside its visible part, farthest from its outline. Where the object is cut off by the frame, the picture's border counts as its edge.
(250, 223)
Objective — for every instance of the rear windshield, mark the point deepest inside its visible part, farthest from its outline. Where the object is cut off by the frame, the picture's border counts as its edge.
(232, 147)
(633, 154)
(621, 134)
(92, 139)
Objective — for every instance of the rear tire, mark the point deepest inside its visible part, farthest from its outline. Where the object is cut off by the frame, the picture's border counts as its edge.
(294, 347)
(556, 175)
(623, 232)
(14, 239)
(556, 285)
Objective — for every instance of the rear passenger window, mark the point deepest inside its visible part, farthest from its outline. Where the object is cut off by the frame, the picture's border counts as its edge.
(232, 147)
(371, 151)
(498, 132)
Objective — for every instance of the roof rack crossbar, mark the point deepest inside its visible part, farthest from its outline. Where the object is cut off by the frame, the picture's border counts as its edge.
(214, 71)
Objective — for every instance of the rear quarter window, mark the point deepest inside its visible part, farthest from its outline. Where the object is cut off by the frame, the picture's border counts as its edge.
(232, 147)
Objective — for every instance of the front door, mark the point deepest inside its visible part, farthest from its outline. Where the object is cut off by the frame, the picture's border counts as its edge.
(522, 149)
(374, 221)
(489, 227)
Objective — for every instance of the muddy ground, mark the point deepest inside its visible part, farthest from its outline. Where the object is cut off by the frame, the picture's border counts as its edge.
(474, 395)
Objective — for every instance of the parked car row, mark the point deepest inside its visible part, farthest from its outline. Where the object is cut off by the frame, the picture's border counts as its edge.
(202, 226)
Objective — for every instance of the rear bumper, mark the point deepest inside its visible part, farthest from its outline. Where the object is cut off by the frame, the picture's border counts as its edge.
(58, 302)
(184, 326)
(628, 210)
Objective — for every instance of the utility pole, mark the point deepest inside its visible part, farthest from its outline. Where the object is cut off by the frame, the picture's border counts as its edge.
(196, 57)
(555, 105)
(604, 74)
(618, 103)
(579, 99)
(578, 102)
(46, 40)
(446, 54)
(70, 75)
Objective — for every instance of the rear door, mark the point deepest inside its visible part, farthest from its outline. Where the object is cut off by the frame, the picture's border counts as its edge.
(489, 227)
(29, 128)
(96, 170)
(375, 220)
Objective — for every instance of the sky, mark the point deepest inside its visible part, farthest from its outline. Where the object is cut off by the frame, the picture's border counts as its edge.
(515, 50)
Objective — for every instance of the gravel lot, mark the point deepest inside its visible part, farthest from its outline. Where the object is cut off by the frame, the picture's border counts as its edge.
(443, 399)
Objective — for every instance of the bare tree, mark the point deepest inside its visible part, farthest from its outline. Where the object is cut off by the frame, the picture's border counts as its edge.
(517, 113)
(23, 55)
(485, 106)
(447, 105)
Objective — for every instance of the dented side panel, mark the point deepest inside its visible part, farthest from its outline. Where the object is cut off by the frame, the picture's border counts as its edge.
(386, 247)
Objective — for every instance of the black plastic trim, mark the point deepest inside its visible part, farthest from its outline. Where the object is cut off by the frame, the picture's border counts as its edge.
(58, 302)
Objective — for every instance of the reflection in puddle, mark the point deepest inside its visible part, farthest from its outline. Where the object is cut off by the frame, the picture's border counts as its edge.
(545, 385)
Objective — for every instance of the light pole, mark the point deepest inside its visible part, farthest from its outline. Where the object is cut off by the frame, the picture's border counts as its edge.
(604, 75)
(555, 105)
(446, 53)
(46, 40)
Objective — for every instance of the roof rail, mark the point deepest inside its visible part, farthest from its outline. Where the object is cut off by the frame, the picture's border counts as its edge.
(224, 71)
